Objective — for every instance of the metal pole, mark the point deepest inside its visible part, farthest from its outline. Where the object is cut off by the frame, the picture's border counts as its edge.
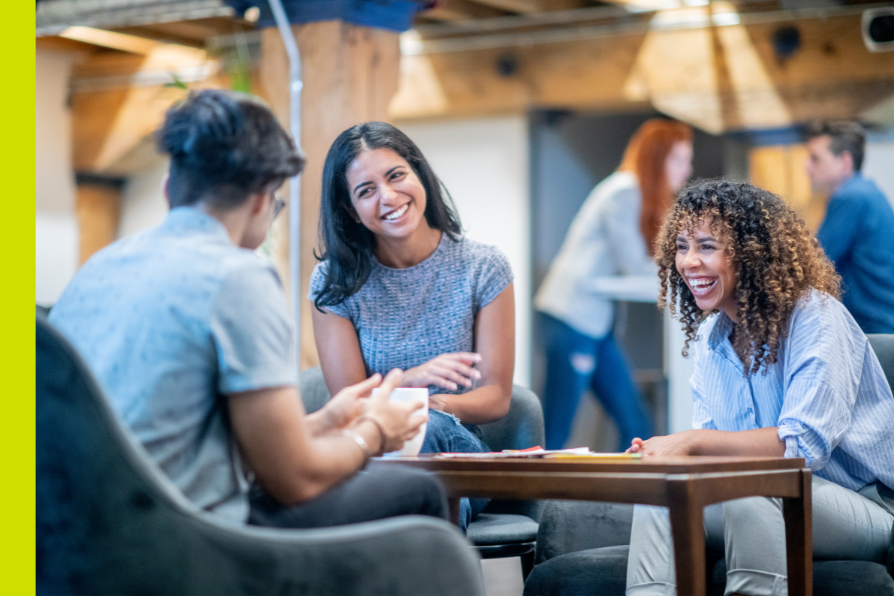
(295, 84)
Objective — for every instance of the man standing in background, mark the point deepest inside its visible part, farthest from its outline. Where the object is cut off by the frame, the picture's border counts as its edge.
(858, 231)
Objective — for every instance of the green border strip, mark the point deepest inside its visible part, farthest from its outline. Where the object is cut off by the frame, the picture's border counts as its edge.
(17, 299)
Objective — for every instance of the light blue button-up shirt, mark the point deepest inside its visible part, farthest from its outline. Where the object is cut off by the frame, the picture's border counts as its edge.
(170, 321)
(827, 393)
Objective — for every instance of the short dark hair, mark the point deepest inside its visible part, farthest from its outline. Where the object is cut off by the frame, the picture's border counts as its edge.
(345, 243)
(224, 146)
(844, 135)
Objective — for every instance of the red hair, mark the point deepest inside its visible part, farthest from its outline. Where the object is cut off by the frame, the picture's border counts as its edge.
(646, 156)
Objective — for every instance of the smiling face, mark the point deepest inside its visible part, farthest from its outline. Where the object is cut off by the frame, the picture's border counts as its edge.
(708, 272)
(386, 195)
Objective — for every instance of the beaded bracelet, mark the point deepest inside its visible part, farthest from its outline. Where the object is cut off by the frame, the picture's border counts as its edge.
(361, 442)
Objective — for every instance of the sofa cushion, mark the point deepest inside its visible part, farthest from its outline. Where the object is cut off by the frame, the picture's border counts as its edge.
(491, 528)
(593, 572)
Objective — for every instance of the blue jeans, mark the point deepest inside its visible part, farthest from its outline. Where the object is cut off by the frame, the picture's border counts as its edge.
(575, 361)
(446, 434)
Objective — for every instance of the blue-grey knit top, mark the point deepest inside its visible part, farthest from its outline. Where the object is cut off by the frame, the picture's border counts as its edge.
(405, 317)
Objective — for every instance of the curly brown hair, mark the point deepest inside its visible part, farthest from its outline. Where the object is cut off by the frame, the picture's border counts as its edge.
(777, 261)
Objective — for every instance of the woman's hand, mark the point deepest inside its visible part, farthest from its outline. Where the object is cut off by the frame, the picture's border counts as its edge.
(397, 421)
(676, 444)
(447, 370)
(759, 442)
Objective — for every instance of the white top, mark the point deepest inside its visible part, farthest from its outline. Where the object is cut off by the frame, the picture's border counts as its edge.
(604, 240)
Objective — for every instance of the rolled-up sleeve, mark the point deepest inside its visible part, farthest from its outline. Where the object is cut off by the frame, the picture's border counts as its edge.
(823, 368)
(814, 417)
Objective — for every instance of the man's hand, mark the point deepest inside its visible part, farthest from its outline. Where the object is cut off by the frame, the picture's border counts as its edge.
(449, 371)
(396, 420)
(348, 404)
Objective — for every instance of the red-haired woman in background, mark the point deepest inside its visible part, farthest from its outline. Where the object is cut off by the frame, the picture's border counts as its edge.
(611, 235)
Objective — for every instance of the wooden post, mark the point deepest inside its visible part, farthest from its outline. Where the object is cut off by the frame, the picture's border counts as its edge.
(350, 74)
(98, 209)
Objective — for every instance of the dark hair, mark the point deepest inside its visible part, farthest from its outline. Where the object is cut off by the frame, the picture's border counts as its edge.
(844, 135)
(777, 261)
(224, 146)
(345, 243)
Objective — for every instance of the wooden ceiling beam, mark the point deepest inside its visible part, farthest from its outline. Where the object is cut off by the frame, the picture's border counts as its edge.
(679, 72)
(112, 113)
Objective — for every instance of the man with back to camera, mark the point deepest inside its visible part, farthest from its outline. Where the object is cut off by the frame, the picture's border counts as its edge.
(858, 230)
(185, 328)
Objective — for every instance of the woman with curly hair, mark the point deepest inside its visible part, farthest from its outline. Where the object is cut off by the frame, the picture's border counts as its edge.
(780, 369)
(611, 235)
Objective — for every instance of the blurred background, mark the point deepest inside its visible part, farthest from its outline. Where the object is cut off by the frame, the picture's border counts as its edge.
(521, 106)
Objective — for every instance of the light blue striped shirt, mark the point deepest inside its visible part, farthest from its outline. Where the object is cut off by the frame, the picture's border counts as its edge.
(827, 393)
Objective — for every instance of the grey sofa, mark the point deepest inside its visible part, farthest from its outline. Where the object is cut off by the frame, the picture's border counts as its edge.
(582, 550)
(109, 521)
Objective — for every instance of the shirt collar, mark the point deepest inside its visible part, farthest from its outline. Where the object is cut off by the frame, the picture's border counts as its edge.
(857, 177)
(190, 218)
(718, 340)
(719, 335)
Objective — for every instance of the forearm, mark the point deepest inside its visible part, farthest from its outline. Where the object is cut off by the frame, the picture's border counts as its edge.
(761, 442)
(479, 406)
(332, 457)
(317, 424)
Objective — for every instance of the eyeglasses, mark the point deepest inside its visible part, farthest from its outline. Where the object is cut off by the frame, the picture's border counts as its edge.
(278, 205)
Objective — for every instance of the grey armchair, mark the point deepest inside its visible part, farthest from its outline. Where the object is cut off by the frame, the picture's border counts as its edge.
(109, 521)
(504, 528)
(582, 547)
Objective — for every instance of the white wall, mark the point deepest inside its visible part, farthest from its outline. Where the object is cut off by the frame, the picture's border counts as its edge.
(879, 161)
(143, 203)
(484, 164)
(56, 249)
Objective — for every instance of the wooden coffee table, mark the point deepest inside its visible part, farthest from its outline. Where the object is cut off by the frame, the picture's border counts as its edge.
(685, 485)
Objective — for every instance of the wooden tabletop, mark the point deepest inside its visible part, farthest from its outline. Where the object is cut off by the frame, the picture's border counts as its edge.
(684, 484)
(647, 465)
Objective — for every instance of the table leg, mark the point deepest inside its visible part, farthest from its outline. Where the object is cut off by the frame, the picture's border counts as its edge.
(688, 531)
(453, 509)
(798, 515)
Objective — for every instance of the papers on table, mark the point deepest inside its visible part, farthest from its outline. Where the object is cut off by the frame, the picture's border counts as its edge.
(540, 453)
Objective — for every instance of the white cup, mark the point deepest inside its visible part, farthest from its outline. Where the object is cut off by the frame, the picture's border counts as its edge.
(407, 394)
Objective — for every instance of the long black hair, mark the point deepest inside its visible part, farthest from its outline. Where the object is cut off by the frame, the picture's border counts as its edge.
(224, 146)
(346, 244)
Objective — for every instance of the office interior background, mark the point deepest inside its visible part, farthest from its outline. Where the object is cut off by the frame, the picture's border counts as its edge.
(521, 106)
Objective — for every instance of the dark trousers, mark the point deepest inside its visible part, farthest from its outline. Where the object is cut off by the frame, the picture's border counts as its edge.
(378, 492)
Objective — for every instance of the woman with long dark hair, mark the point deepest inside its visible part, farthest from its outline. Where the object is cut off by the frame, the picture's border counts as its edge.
(611, 235)
(398, 286)
(780, 368)
(185, 327)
